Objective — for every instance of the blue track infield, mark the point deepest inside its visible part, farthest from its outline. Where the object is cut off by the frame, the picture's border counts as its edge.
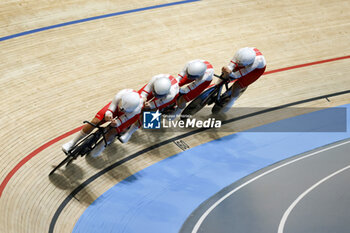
(162, 196)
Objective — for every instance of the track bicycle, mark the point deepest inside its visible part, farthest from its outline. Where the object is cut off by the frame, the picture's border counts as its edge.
(86, 145)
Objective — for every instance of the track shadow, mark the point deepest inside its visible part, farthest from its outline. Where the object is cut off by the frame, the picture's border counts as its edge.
(114, 152)
(86, 196)
(67, 177)
(147, 136)
(123, 174)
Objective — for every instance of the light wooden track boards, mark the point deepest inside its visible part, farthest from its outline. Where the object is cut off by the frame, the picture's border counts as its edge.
(52, 80)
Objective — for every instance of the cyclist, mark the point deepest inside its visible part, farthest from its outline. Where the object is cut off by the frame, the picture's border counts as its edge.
(193, 79)
(161, 91)
(247, 65)
(122, 111)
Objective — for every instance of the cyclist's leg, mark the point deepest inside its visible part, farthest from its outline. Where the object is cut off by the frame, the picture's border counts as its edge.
(99, 148)
(180, 106)
(239, 87)
(111, 134)
(228, 98)
(184, 99)
(85, 130)
(80, 135)
(237, 91)
(132, 129)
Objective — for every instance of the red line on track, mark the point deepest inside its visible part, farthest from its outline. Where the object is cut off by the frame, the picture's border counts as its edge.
(53, 141)
(32, 154)
(306, 64)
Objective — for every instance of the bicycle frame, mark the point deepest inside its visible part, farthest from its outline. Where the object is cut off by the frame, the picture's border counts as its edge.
(85, 145)
(209, 96)
(218, 89)
(100, 129)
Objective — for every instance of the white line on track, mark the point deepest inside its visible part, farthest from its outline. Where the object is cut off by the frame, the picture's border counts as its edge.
(291, 207)
(207, 212)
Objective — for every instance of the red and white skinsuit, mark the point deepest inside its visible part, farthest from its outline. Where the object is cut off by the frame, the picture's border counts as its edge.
(124, 119)
(154, 102)
(195, 86)
(160, 103)
(245, 76)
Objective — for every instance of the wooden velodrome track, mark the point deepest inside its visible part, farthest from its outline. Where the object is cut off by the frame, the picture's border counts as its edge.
(52, 80)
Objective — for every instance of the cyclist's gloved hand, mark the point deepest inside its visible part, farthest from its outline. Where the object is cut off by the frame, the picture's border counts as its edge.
(108, 116)
(226, 71)
(147, 107)
(113, 122)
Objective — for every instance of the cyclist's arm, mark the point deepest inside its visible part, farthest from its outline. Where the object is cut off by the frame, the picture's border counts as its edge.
(182, 74)
(257, 64)
(148, 88)
(113, 106)
(118, 121)
(208, 76)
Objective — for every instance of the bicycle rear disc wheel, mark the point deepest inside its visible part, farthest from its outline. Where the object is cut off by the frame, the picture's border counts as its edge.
(198, 103)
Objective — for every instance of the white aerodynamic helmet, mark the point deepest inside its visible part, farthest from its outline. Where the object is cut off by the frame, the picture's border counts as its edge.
(161, 87)
(130, 101)
(245, 56)
(196, 69)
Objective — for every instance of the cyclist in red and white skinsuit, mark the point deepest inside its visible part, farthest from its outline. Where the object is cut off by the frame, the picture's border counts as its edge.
(122, 111)
(247, 65)
(193, 79)
(161, 91)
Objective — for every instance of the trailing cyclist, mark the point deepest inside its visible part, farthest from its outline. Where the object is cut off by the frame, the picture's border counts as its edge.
(122, 112)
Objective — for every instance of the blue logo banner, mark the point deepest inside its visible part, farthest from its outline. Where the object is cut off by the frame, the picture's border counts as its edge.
(151, 120)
